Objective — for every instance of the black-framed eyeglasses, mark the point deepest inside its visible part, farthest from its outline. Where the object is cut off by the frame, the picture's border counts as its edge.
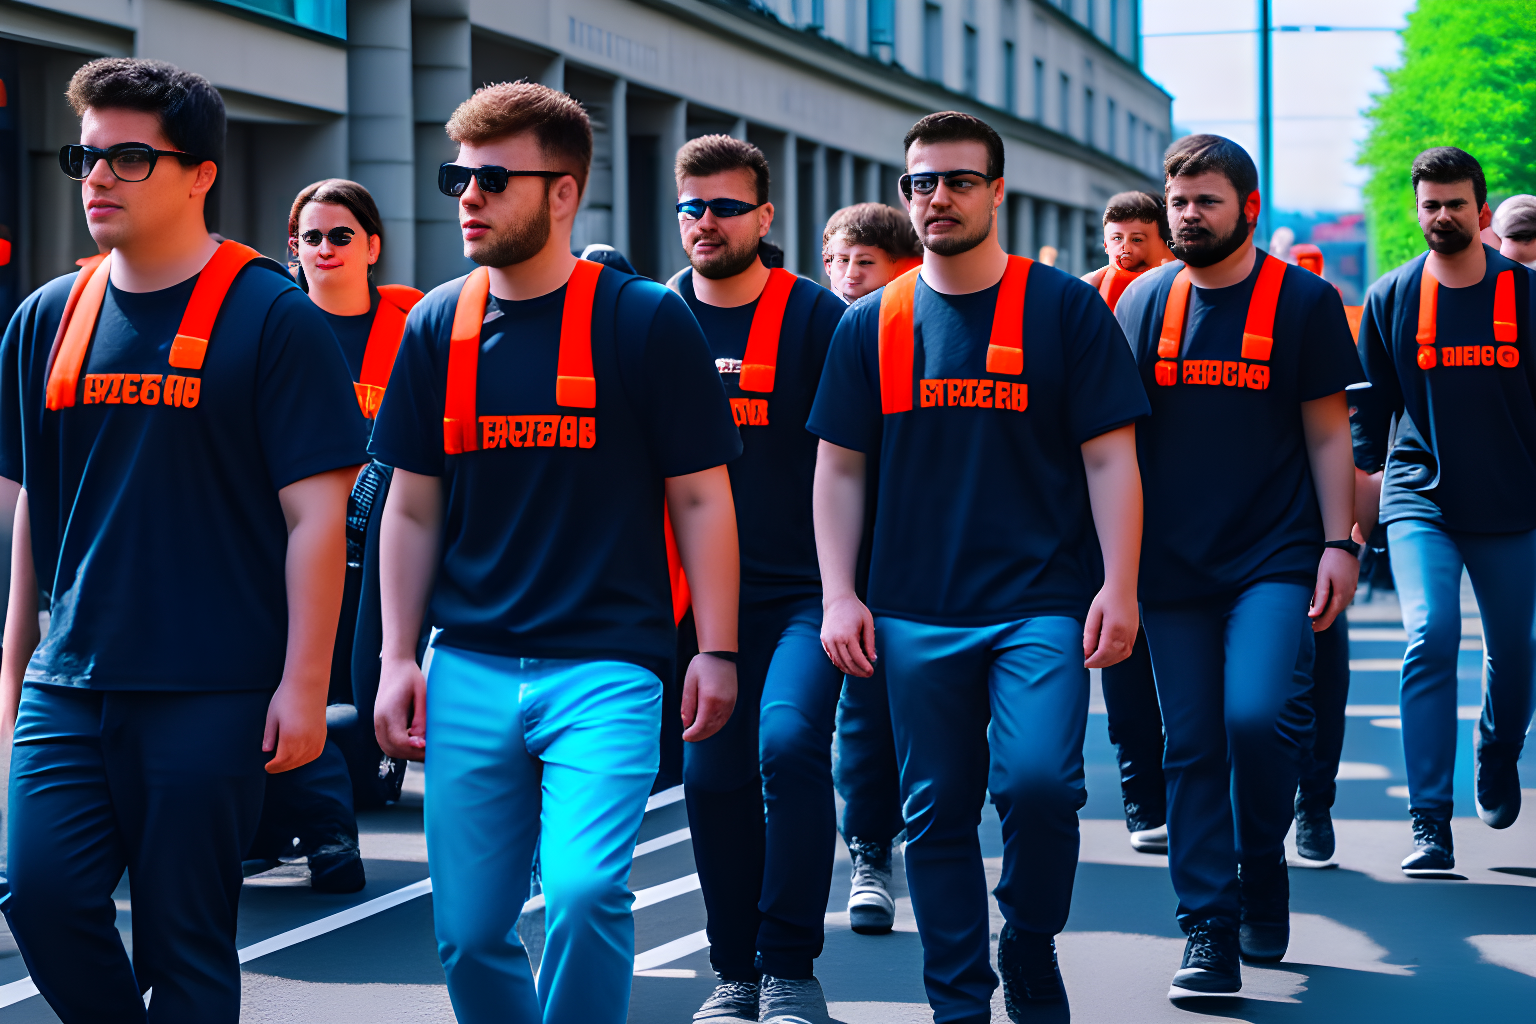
(924, 182)
(337, 236)
(693, 209)
(453, 179)
(129, 161)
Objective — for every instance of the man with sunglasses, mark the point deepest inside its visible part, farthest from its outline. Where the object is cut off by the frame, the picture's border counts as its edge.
(542, 415)
(184, 507)
(765, 883)
(1000, 398)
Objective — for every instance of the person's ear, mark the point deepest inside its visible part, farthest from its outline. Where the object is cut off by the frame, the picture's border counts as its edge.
(764, 220)
(999, 192)
(1484, 218)
(1251, 207)
(207, 172)
(374, 245)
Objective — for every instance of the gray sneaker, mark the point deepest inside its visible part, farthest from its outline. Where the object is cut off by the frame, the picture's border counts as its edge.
(871, 908)
(793, 1001)
(730, 1001)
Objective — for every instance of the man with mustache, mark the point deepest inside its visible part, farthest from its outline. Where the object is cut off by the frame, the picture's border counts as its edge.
(1001, 402)
(765, 891)
(1246, 468)
(541, 414)
(1444, 339)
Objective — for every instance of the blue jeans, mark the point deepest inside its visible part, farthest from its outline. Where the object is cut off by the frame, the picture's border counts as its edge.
(1001, 708)
(865, 770)
(1330, 698)
(168, 785)
(525, 751)
(1427, 560)
(1136, 730)
(760, 800)
(1233, 680)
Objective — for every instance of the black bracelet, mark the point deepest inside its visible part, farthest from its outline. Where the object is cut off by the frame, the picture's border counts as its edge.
(729, 656)
(1347, 544)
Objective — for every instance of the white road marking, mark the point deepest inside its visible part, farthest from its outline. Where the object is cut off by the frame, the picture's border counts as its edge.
(666, 890)
(1465, 712)
(670, 951)
(351, 915)
(662, 842)
(662, 799)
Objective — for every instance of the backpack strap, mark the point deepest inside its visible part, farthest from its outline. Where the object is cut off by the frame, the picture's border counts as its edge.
(760, 361)
(896, 344)
(1005, 353)
(76, 326)
(575, 386)
(1259, 331)
(395, 301)
(459, 433)
(213, 283)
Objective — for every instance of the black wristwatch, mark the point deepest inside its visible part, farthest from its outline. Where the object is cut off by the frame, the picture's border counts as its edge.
(1344, 545)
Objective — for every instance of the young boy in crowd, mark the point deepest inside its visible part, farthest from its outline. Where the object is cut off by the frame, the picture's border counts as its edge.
(1135, 240)
(866, 245)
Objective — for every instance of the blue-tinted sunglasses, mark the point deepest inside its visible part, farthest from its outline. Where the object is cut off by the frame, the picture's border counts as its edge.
(693, 209)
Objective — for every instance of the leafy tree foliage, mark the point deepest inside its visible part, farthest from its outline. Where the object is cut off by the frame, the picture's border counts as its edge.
(1468, 79)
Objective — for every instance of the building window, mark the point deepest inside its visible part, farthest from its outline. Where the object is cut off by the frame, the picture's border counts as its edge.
(1066, 105)
(972, 60)
(1114, 25)
(328, 17)
(1088, 116)
(1093, 21)
(1131, 141)
(933, 42)
(1039, 90)
(1010, 78)
(1109, 126)
(882, 28)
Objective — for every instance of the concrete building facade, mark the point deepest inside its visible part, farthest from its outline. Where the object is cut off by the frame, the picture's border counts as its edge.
(360, 89)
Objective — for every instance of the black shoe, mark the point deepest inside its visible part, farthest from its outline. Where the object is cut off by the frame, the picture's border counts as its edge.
(1498, 788)
(1027, 962)
(1314, 832)
(1433, 852)
(337, 867)
(731, 1000)
(1210, 966)
(1265, 933)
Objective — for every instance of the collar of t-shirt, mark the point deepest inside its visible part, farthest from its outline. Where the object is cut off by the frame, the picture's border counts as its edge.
(352, 332)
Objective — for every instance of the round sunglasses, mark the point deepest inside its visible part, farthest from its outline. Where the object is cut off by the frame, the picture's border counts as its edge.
(693, 209)
(338, 236)
(128, 161)
(453, 179)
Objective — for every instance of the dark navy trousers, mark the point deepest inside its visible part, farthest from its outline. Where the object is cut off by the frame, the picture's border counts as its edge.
(1330, 696)
(312, 803)
(1136, 730)
(759, 796)
(1234, 676)
(865, 768)
(1001, 708)
(166, 785)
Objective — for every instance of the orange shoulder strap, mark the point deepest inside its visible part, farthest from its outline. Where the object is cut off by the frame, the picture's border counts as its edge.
(896, 343)
(1005, 353)
(1171, 340)
(1113, 284)
(75, 329)
(761, 359)
(213, 282)
(1259, 331)
(402, 295)
(1505, 329)
(574, 383)
(383, 344)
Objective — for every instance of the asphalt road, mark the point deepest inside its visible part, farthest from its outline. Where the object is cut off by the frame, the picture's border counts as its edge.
(1368, 944)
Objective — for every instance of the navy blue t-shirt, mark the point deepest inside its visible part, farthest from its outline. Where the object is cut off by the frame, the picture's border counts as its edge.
(553, 541)
(771, 481)
(1225, 473)
(352, 334)
(1464, 454)
(156, 526)
(983, 513)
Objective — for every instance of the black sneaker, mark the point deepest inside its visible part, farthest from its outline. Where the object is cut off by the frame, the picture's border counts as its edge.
(1265, 933)
(792, 1001)
(1211, 966)
(1314, 834)
(871, 907)
(1433, 852)
(337, 867)
(731, 1000)
(1027, 962)
(1498, 788)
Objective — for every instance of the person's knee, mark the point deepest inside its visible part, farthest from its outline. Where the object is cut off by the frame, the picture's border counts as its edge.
(585, 895)
(1037, 786)
(474, 930)
(787, 741)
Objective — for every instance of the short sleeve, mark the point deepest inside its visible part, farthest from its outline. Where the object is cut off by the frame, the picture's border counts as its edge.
(825, 316)
(1102, 381)
(408, 433)
(686, 414)
(306, 410)
(847, 410)
(1329, 362)
(12, 458)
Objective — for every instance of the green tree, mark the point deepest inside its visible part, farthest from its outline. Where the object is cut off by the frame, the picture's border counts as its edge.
(1468, 79)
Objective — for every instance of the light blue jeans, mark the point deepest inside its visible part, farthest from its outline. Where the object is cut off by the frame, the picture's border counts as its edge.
(1427, 560)
(523, 751)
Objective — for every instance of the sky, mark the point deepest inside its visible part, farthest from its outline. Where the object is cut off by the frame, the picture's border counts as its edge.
(1322, 83)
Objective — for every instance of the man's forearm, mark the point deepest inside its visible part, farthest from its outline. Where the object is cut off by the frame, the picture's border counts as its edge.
(315, 568)
(1114, 493)
(704, 524)
(408, 539)
(837, 510)
(1331, 454)
(21, 628)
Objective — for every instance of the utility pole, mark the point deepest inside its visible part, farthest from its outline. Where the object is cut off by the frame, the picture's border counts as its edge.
(1266, 124)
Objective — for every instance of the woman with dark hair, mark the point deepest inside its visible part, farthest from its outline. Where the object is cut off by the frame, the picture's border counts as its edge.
(336, 235)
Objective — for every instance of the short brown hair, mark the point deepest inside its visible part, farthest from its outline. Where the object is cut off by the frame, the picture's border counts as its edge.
(1201, 154)
(874, 224)
(716, 154)
(953, 126)
(1139, 206)
(340, 192)
(558, 123)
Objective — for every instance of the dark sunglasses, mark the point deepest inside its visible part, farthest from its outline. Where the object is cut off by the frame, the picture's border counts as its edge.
(453, 179)
(924, 182)
(129, 161)
(338, 236)
(693, 209)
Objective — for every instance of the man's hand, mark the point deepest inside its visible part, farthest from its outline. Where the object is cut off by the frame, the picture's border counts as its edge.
(1110, 631)
(709, 696)
(400, 710)
(295, 725)
(1337, 574)
(848, 636)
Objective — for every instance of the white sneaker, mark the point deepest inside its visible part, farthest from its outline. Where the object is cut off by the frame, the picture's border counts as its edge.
(871, 908)
(1150, 840)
